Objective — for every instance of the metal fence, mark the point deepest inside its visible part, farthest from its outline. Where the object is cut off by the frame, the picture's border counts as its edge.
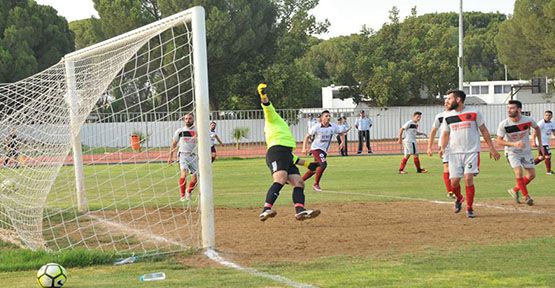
(384, 131)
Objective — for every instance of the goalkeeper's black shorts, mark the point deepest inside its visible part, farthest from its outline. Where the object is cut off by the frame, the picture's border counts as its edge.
(281, 158)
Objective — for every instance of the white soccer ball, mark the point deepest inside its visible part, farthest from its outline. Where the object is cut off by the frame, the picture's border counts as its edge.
(8, 186)
(52, 275)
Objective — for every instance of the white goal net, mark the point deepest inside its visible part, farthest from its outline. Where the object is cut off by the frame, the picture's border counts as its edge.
(87, 142)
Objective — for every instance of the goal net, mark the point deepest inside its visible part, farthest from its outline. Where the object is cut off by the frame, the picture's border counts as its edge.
(87, 145)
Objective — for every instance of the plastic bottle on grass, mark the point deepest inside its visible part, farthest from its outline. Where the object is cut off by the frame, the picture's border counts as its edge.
(152, 277)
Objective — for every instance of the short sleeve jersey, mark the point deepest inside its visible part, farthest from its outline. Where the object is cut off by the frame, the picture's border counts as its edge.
(410, 128)
(186, 138)
(323, 136)
(547, 129)
(516, 131)
(363, 124)
(213, 135)
(463, 129)
(438, 120)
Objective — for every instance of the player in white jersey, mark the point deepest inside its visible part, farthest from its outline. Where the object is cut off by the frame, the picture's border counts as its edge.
(438, 120)
(547, 128)
(461, 130)
(213, 138)
(410, 129)
(323, 135)
(186, 139)
(514, 134)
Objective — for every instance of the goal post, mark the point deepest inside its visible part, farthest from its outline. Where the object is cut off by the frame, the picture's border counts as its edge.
(82, 183)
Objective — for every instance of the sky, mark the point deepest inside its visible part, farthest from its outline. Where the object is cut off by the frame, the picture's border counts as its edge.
(346, 16)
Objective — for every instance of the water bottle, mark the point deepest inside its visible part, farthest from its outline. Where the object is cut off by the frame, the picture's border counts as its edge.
(128, 260)
(152, 277)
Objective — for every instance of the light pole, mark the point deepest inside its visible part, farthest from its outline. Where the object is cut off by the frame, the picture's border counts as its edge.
(461, 37)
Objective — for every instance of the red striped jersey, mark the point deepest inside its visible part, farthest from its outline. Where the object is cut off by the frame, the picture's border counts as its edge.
(516, 131)
(186, 138)
(323, 135)
(464, 135)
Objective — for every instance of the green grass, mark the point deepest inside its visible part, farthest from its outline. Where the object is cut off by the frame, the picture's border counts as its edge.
(243, 184)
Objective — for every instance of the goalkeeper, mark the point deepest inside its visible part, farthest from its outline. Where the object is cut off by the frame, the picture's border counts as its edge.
(281, 161)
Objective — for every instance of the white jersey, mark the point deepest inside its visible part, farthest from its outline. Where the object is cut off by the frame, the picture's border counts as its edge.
(438, 120)
(547, 129)
(323, 136)
(517, 131)
(363, 124)
(410, 128)
(213, 136)
(463, 129)
(186, 138)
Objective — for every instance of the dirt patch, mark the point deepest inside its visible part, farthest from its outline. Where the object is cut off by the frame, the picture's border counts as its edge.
(375, 228)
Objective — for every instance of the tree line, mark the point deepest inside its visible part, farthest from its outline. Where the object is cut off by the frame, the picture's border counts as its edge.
(407, 61)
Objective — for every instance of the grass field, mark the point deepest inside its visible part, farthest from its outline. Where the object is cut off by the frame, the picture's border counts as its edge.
(514, 260)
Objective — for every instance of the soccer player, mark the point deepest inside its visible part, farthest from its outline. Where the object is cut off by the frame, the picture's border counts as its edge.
(547, 128)
(323, 135)
(213, 138)
(281, 161)
(410, 129)
(186, 138)
(461, 129)
(514, 134)
(342, 122)
(12, 149)
(438, 120)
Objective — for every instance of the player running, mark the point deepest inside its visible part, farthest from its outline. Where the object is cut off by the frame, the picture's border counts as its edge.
(410, 129)
(323, 134)
(186, 138)
(547, 129)
(461, 130)
(281, 161)
(514, 134)
(438, 120)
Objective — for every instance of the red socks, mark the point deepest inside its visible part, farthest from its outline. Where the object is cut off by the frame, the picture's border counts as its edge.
(447, 182)
(192, 185)
(182, 184)
(470, 191)
(417, 163)
(403, 164)
(521, 186)
(457, 192)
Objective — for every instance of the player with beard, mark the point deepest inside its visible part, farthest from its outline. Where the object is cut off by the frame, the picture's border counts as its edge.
(461, 130)
(186, 138)
(514, 134)
(547, 128)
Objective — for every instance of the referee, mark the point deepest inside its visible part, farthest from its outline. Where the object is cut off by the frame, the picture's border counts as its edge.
(281, 161)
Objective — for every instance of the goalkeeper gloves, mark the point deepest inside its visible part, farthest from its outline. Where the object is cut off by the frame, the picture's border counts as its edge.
(312, 166)
(262, 91)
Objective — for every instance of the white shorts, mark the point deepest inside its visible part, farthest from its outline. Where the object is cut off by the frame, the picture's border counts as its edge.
(188, 162)
(445, 158)
(463, 163)
(410, 148)
(524, 160)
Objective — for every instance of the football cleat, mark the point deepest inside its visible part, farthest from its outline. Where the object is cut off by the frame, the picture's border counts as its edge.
(550, 173)
(307, 214)
(422, 171)
(267, 214)
(458, 206)
(515, 195)
(529, 201)
(470, 214)
(316, 188)
(403, 172)
(451, 195)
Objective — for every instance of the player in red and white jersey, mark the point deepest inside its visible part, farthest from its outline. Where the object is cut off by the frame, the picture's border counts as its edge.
(410, 131)
(547, 128)
(438, 120)
(323, 135)
(461, 130)
(213, 138)
(514, 134)
(186, 139)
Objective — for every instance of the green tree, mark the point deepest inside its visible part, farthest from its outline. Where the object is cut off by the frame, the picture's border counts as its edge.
(87, 32)
(526, 42)
(32, 38)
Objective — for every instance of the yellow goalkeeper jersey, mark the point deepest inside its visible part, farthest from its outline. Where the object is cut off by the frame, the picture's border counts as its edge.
(276, 130)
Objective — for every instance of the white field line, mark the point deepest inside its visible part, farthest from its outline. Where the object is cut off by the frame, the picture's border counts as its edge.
(512, 209)
(210, 253)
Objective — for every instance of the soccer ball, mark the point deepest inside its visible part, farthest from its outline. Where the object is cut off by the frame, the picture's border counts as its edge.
(52, 275)
(8, 186)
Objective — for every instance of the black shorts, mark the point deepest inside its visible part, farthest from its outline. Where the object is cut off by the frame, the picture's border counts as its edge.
(213, 149)
(281, 158)
(546, 148)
